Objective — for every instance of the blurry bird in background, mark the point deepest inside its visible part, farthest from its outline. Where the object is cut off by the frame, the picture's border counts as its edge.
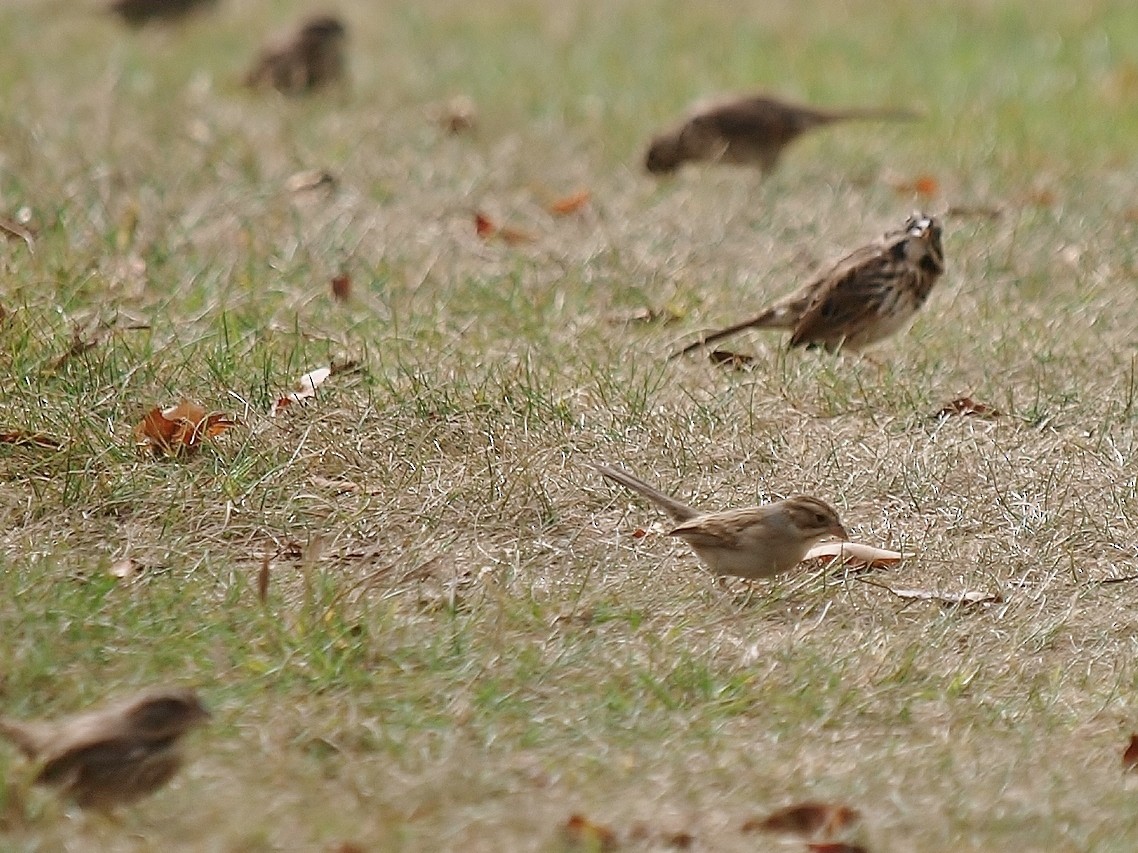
(750, 130)
(312, 58)
(139, 12)
(113, 755)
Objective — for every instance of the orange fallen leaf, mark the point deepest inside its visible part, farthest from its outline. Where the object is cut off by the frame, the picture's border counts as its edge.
(342, 287)
(579, 831)
(486, 228)
(571, 203)
(835, 847)
(855, 553)
(639, 533)
(180, 429)
(965, 406)
(808, 818)
(304, 388)
(26, 438)
(923, 185)
(1130, 755)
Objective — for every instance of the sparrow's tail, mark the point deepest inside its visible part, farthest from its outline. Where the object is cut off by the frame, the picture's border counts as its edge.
(678, 511)
(785, 315)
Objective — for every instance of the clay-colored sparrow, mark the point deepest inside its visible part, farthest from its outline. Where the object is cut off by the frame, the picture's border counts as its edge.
(755, 542)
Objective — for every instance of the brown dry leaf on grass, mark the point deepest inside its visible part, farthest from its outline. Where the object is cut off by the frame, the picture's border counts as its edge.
(949, 599)
(263, 579)
(13, 230)
(342, 287)
(835, 847)
(487, 229)
(458, 115)
(27, 438)
(305, 387)
(965, 406)
(571, 203)
(664, 316)
(310, 179)
(578, 832)
(125, 569)
(1130, 755)
(180, 430)
(807, 819)
(731, 360)
(855, 553)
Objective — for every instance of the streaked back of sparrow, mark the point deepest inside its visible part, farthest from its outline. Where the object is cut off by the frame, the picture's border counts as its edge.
(755, 542)
(865, 297)
(750, 130)
(311, 59)
(112, 755)
(139, 12)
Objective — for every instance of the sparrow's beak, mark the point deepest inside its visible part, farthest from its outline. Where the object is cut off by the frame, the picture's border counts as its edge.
(840, 532)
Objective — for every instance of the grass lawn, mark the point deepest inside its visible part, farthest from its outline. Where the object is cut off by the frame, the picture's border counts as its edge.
(464, 640)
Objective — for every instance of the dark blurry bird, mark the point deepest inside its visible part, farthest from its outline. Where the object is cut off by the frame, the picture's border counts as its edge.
(865, 297)
(748, 130)
(113, 755)
(139, 12)
(311, 59)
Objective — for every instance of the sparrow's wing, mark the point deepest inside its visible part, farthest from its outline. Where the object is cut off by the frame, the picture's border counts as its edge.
(850, 295)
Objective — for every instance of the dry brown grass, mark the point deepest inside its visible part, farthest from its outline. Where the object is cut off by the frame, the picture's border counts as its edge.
(462, 643)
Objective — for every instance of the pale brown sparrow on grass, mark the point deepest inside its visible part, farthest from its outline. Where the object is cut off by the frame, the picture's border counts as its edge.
(755, 542)
(113, 755)
(312, 59)
(749, 130)
(865, 297)
(139, 12)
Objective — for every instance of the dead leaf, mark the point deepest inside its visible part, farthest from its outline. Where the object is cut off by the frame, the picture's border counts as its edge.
(571, 203)
(459, 115)
(1038, 197)
(26, 438)
(487, 229)
(922, 185)
(484, 227)
(263, 579)
(639, 533)
(1130, 755)
(731, 360)
(964, 407)
(808, 818)
(342, 287)
(125, 569)
(13, 230)
(834, 847)
(303, 389)
(984, 211)
(579, 831)
(310, 179)
(856, 553)
(952, 599)
(646, 314)
(180, 429)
